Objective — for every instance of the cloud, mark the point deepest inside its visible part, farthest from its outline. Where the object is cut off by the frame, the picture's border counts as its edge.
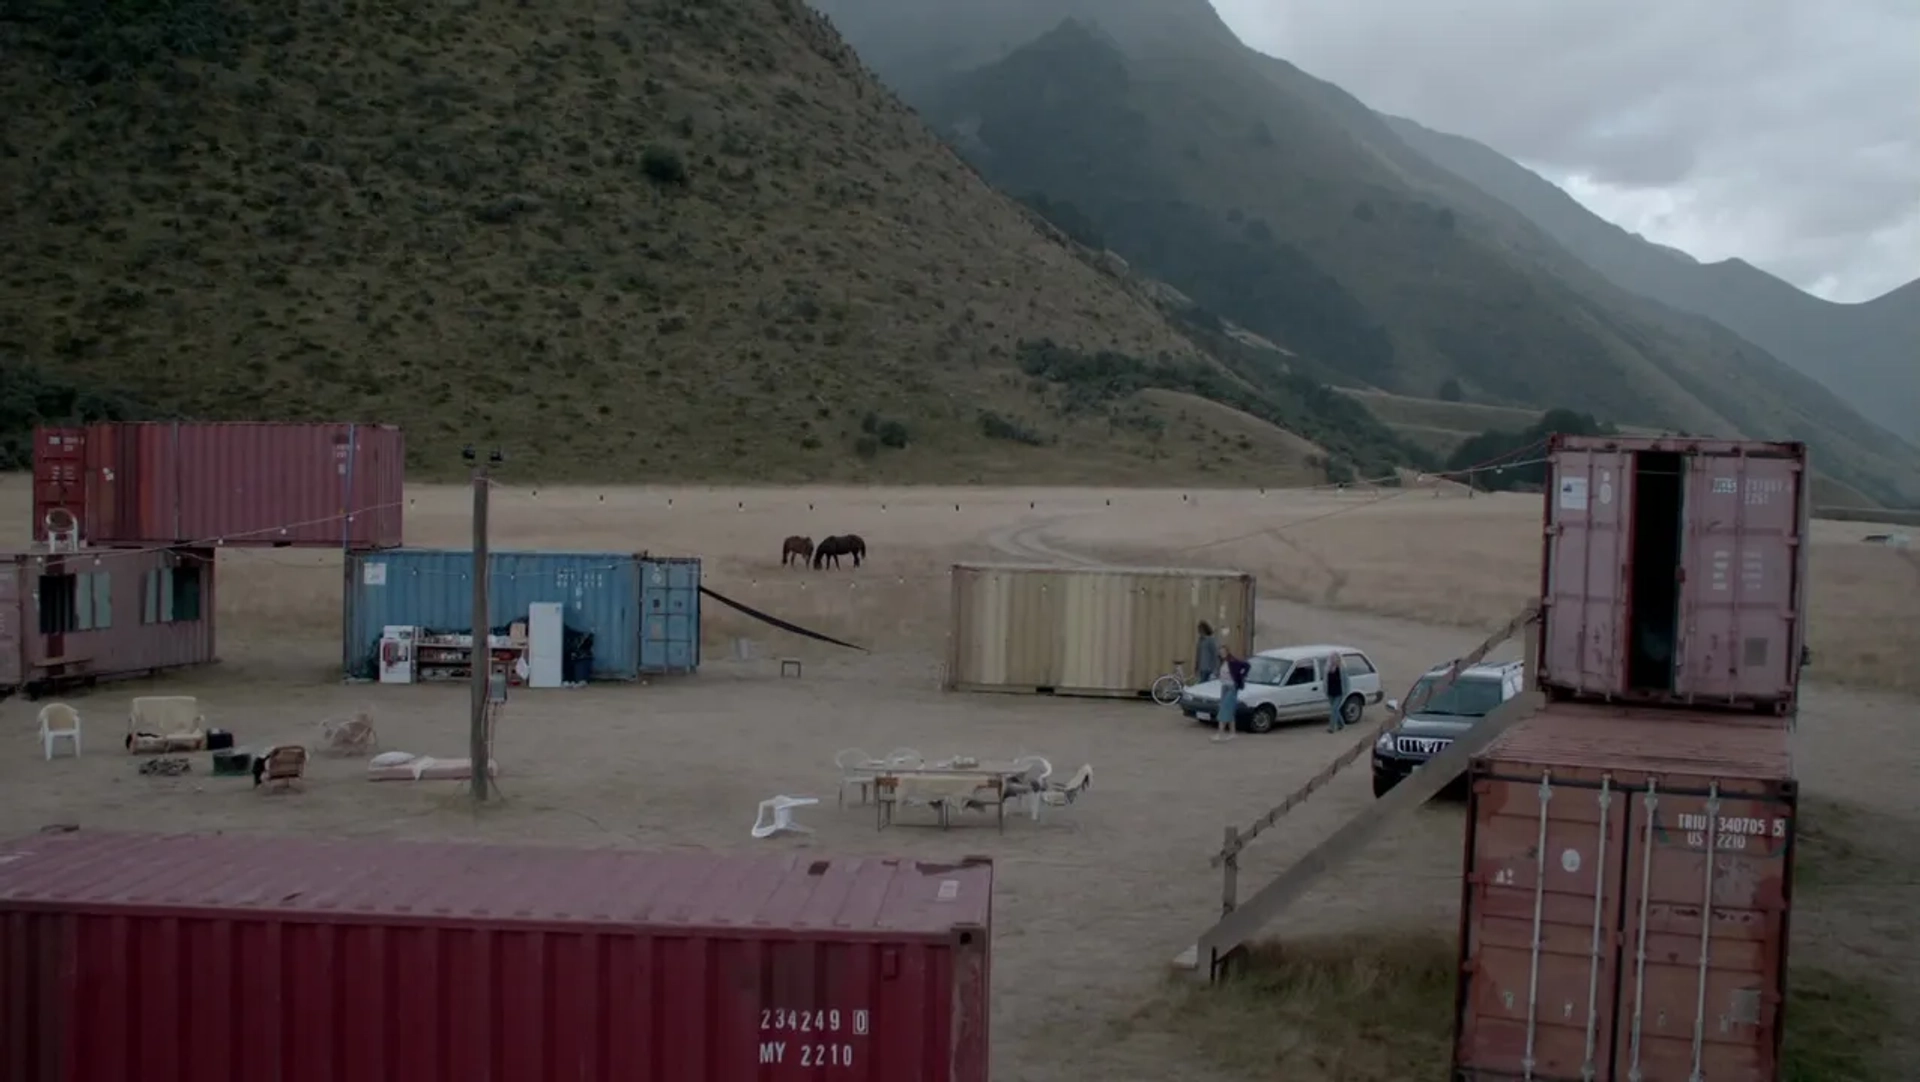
(1783, 132)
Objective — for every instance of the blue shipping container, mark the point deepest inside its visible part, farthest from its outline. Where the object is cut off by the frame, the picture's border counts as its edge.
(669, 615)
(433, 588)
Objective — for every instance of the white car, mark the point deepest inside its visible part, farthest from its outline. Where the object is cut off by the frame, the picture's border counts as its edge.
(1289, 684)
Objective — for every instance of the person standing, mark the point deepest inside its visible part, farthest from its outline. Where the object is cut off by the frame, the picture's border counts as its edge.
(1206, 654)
(1336, 694)
(1233, 678)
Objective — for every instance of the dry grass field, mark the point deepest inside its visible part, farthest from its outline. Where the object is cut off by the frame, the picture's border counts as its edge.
(1094, 899)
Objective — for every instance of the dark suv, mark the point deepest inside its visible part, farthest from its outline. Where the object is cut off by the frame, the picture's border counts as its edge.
(1419, 737)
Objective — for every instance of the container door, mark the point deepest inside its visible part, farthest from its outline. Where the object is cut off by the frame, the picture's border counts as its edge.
(1740, 563)
(1702, 1001)
(670, 615)
(59, 476)
(1540, 943)
(1588, 558)
(12, 635)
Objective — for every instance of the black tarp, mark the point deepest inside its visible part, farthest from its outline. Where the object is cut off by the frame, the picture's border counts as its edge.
(779, 623)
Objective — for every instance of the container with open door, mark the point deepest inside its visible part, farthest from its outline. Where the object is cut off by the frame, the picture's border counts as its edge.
(1674, 572)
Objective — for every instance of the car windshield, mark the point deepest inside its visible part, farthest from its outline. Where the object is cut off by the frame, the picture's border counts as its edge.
(1469, 697)
(1266, 670)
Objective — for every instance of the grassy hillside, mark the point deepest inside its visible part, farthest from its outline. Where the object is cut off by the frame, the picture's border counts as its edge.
(1869, 354)
(1285, 205)
(660, 239)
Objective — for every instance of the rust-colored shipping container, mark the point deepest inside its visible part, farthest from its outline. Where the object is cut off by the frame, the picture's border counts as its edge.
(100, 614)
(1108, 631)
(1675, 572)
(260, 485)
(229, 958)
(1584, 951)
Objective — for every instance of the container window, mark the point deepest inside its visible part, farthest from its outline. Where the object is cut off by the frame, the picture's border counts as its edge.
(59, 604)
(1654, 600)
(100, 590)
(185, 583)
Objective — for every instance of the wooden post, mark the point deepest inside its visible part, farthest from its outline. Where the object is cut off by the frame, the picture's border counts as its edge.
(482, 649)
(1230, 872)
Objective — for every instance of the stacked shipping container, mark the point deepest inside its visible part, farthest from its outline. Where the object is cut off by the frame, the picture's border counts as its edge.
(1674, 572)
(313, 485)
(302, 960)
(1629, 857)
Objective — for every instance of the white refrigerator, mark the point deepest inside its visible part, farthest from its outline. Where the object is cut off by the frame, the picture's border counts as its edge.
(546, 640)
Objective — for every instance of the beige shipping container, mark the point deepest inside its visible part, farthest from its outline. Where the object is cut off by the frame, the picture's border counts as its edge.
(1087, 630)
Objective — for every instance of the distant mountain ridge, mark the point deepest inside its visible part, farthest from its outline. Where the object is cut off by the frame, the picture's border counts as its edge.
(1284, 204)
(1868, 354)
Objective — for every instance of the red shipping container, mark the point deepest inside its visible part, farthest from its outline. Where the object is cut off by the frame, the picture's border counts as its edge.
(260, 485)
(1675, 572)
(232, 958)
(98, 614)
(1584, 953)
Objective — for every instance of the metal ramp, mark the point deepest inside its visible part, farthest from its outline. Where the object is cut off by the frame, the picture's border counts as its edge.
(1239, 925)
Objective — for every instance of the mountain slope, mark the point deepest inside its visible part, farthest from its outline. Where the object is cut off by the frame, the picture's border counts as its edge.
(654, 239)
(1869, 354)
(1286, 205)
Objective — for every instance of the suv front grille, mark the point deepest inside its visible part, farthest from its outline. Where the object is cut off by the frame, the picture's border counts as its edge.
(1421, 745)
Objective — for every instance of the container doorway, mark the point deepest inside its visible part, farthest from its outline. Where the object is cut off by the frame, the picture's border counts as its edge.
(1654, 601)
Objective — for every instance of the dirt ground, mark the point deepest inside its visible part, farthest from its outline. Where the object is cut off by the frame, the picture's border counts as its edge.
(1092, 901)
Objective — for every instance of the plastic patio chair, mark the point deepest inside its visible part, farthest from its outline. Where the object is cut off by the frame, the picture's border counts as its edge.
(776, 816)
(856, 768)
(59, 721)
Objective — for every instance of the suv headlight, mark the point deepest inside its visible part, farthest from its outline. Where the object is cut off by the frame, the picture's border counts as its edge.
(1385, 743)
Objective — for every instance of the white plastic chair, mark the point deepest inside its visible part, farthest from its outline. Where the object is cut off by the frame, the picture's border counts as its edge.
(1058, 794)
(776, 816)
(59, 720)
(856, 768)
(1030, 782)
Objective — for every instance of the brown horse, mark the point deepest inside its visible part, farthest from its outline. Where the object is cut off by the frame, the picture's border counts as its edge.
(832, 548)
(796, 548)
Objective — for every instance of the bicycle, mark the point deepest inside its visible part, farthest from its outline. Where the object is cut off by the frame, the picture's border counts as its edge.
(1166, 690)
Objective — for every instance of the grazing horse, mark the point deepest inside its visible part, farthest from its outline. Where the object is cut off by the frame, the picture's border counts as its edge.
(832, 548)
(796, 548)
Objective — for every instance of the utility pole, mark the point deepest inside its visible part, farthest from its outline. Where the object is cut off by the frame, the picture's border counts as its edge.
(480, 754)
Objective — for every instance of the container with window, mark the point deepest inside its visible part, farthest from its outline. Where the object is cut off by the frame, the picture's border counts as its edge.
(76, 617)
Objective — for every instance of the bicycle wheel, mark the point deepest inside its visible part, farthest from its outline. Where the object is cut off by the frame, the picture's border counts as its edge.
(1166, 690)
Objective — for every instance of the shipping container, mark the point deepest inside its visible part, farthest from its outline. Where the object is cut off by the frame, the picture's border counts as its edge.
(228, 958)
(1675, 572)
(176, 483)
(70, 618)
(432, 589)
(1087, 631)
(1624, 913)
(670, 614)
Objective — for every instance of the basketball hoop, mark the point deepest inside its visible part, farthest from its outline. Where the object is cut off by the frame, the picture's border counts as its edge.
(63, 531)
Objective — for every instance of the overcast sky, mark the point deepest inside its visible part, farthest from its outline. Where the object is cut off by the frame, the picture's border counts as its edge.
(1784, 132)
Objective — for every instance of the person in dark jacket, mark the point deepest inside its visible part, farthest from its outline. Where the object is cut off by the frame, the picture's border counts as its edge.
(1233, 679)
(1206, 654)
(1336, 693)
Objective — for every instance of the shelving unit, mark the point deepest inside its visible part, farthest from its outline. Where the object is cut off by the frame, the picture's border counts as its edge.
(447, 658)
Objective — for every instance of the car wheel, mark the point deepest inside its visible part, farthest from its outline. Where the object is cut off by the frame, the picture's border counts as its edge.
(1263, 719)
(1383, 784)
(1351, 710)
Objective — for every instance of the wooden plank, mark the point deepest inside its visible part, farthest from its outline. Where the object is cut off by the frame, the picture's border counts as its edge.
(1235, 929)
